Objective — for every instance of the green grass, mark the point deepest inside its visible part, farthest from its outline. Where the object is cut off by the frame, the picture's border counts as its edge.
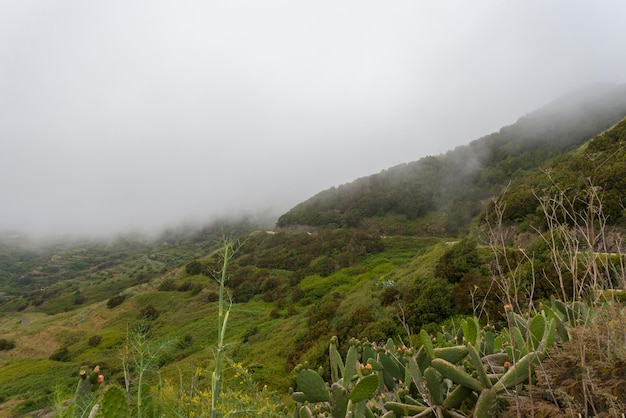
(186, 322)
(32, 378)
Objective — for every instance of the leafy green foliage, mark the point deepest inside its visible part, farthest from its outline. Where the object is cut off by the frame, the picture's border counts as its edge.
(462, 258)
(601, 162)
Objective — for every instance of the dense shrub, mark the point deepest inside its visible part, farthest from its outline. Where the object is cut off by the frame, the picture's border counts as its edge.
(194, 268)
(432, 304)
(94, 340)
(296, 294)
(185, 287)
(148, 313)
(389, 295)
(6, 344)
(245, 291)
(474, 291)
(459, 260)
(62, 354)
(115, 301)
(212, 296)
(185, 341)
(78, 298)
(274, 314)
(380, 330)
(167, 285)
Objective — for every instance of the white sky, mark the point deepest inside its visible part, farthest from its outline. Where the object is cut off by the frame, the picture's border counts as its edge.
(139, 114)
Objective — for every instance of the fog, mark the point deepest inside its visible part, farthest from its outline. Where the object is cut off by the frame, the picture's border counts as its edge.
(137, 114)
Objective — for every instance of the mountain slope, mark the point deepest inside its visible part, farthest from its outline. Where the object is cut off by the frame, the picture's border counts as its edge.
(455, 183)
(599, 163)
(291, 290)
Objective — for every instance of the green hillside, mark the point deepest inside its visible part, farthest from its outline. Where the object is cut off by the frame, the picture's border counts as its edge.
(506, 246)
(600, 162)
(452, 187)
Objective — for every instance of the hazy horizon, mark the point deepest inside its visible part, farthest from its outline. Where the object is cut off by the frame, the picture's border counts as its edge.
(137, 116)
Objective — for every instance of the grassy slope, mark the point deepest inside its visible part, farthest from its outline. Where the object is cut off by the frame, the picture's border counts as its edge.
(26, 371)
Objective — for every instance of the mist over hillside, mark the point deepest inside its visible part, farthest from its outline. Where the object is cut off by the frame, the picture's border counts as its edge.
(293, 289)
(455, 183)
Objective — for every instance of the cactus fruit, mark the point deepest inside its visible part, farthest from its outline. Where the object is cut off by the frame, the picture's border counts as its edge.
(376, 366)
(114, 404)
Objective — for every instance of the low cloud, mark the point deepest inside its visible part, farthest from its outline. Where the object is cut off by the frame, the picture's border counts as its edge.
(141, 115)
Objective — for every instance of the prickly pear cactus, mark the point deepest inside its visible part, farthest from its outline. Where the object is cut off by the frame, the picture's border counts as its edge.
(354, 383)
(114, 404)
(88, 382)
(464, 373)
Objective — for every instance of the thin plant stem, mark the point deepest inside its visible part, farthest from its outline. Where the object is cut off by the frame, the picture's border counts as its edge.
(222, 320)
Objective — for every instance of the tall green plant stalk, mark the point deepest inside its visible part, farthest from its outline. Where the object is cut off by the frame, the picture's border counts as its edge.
(222, 320)
(141, 355)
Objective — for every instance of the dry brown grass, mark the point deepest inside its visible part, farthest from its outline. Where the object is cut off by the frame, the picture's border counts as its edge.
(585, 376)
